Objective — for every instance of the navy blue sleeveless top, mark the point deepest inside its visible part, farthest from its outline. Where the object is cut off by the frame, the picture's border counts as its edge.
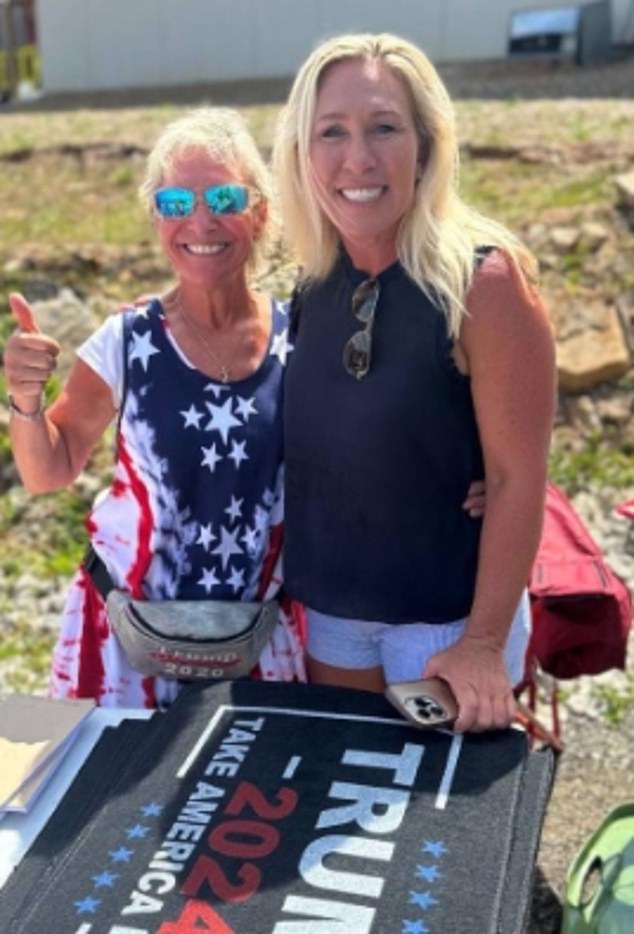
(377, 469)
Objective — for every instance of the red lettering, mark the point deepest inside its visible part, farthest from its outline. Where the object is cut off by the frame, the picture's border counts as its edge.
(249, 795)
(206, 870)
(265, 839)
(196, 916)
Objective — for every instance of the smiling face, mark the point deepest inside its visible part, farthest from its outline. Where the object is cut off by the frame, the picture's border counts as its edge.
(207, 249)
(365, 157)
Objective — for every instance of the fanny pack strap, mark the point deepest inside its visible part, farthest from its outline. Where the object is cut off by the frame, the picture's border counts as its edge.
(98, 571)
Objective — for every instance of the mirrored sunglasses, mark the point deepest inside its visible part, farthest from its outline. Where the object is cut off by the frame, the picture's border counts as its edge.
(357, 353)
(220, 199)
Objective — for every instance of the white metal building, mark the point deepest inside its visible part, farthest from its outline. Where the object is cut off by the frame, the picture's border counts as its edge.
(90, 45)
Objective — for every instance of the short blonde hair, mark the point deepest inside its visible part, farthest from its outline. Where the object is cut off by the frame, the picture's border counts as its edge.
(223, 135)
(439, 233)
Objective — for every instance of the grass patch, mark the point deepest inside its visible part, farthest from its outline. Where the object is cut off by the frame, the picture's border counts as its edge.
(25, 656)
(80, 206)
(615, 703)
(594, 465)
(515, 192)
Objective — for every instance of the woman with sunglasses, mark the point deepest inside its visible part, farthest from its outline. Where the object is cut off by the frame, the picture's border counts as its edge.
(422, 359)
(194, 380)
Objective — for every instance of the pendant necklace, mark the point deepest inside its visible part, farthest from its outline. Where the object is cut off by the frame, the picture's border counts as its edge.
(225, 369)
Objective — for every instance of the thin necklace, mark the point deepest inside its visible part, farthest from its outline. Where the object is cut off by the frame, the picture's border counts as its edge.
(225, 368)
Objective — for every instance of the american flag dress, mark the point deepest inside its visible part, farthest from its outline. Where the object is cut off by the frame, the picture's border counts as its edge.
(194, 510)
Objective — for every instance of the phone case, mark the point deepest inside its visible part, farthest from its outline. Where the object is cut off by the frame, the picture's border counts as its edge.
(426, 703)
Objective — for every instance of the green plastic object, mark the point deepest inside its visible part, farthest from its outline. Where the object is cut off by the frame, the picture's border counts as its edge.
(600, 883)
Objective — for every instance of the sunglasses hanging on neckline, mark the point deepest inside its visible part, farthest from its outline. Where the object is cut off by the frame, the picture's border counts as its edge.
(357, 353)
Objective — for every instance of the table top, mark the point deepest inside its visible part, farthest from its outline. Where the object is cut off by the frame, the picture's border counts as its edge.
(18, 831)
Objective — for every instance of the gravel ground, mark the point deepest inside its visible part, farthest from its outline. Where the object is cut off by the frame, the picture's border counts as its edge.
(595, 774)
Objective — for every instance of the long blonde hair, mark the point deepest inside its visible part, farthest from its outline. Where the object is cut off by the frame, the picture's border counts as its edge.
(223, 135)
(438, 235)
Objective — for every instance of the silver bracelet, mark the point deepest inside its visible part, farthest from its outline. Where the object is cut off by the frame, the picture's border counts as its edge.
(16, 411)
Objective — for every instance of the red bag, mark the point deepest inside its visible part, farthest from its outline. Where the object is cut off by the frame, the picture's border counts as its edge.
(581, 610)
(626, 509)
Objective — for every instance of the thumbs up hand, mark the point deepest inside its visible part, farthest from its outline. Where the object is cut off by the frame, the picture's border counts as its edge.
(29, 357)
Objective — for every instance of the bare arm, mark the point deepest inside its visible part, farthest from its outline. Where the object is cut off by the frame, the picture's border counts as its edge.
(510, 350)
(50, 450)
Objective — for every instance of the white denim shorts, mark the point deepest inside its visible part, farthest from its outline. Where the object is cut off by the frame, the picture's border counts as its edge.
(403, 650)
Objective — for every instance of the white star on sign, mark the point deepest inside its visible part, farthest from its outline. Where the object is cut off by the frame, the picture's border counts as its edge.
(142, 348)
(236, 579)
(222, 420)
(246, 407)
(210, 457)
(228, 546)
(234, 511)
(280, 346)
(192, 416)
(237, 453)
(206, 536)
(208, 580)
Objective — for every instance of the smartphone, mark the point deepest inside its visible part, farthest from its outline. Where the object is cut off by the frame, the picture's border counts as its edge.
(426, 703)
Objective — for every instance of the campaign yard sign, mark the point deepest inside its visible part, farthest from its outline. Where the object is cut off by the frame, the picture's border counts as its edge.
(287, 809)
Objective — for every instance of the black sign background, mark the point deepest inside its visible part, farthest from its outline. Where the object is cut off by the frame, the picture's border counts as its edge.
(306, 810)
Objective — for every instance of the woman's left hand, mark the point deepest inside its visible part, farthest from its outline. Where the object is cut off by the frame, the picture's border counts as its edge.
(475, 502)
(474, 669)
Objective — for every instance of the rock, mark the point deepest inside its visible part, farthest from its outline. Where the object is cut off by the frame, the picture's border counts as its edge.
(625, 190)
(564, 239)
(617, 410)
(548, 260)
(536, 235)
(69, 320)
(13, 266)
(583, 415)
(591, 344)
(594, 235)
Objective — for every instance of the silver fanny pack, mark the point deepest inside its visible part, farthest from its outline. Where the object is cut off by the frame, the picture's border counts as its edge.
(191, 639)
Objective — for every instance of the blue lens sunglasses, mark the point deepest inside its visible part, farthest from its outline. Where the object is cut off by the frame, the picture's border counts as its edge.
(174, 203)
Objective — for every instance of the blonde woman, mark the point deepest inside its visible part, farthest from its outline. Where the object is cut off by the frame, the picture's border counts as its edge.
(422, 359)
(195, 382)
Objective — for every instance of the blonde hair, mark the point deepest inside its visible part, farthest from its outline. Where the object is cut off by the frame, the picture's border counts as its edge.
(438, 235)
(223, 135)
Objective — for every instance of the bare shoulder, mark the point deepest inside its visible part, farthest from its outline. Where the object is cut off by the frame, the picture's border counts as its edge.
(501, 296)
(507, 323)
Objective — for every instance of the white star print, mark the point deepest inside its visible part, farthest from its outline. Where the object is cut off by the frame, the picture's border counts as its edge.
(222, 420)
(237, 453)
(261, 518)
(208, 580)
(228, 546)
(142, 348)
(192, 416)
(216, 389)
(210, 457)
(234, 511)
(245, 408)
(280, 346)
(268, 497)
(236, 579)
(206, 536)
(250, 540)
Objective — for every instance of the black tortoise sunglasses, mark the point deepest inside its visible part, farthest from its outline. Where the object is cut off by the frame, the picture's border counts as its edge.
(357, 353)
